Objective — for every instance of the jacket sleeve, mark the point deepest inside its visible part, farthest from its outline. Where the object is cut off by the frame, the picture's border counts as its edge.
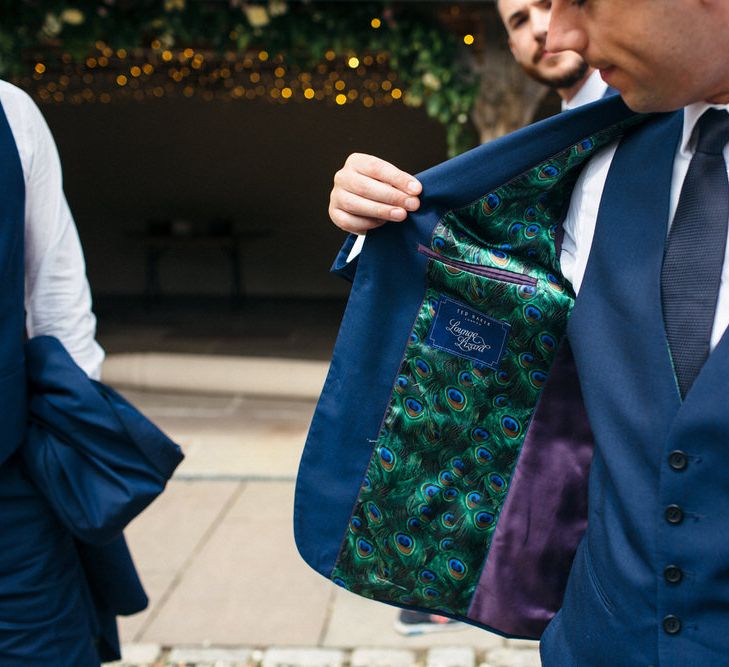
(345, 266)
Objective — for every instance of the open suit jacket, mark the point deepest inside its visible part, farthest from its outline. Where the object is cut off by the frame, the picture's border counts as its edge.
(447, 463)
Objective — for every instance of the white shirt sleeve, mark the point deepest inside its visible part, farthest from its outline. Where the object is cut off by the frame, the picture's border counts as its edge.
(57, 294)
(356, 247)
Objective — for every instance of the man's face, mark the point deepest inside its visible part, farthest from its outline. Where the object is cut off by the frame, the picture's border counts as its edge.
(526, 24)
(660, 55)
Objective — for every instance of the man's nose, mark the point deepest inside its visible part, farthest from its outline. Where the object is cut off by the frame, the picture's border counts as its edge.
(565, 32)
(540, 23)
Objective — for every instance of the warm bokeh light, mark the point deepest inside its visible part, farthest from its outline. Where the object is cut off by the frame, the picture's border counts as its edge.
(468, 39)
(189, 73)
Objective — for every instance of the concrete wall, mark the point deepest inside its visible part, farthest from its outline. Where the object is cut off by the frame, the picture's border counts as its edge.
(264, 165)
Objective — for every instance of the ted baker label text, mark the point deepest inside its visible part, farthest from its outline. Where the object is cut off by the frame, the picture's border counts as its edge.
(468, 333)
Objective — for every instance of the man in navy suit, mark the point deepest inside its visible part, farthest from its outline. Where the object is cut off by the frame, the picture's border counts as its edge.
(649, 583)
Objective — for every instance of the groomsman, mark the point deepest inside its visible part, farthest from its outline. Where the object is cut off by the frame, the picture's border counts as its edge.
(46, 615)
(649, 584)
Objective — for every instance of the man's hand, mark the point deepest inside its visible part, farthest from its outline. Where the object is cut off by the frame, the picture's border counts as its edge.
(368, 192)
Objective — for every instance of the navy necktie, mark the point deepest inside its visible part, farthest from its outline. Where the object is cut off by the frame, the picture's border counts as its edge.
(694, 255)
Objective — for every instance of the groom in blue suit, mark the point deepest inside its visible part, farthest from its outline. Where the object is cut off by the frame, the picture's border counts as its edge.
(644, 248)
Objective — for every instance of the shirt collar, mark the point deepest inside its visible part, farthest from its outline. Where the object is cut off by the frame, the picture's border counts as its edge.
(691, 115)
(593, 89)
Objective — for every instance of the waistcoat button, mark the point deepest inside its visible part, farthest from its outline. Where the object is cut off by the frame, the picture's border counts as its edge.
(672, 624)
(674, 514)
(678, 460)
(672, 574)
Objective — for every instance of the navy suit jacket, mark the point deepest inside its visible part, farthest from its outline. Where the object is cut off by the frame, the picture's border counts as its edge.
(99, 462)
(428, 480)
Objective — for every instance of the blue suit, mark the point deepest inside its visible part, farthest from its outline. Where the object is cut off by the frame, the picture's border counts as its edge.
(652, 568)
(65, 570)
(633, 584)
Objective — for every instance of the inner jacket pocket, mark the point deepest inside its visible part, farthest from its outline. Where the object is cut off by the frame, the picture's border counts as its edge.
(479, 269)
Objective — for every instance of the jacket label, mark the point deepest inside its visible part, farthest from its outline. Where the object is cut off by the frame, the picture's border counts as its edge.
(459, 329)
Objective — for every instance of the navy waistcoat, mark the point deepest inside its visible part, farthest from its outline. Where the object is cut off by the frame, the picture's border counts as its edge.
(650, 582)
(12, 314)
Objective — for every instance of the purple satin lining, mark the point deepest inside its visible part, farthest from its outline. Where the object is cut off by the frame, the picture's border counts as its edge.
(545, 514)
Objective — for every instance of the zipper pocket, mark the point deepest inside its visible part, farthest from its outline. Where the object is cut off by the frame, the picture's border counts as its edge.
(479, 269)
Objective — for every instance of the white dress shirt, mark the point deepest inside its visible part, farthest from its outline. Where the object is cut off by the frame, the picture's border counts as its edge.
(593, 89)
(579, 226)
(57, 295)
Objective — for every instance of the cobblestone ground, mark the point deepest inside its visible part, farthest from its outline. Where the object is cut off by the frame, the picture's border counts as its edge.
(520, 654)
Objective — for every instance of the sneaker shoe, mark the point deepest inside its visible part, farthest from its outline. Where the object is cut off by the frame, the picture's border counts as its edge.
(411, 623)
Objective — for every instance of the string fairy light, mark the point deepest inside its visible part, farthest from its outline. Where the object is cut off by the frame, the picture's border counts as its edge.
(111, 74)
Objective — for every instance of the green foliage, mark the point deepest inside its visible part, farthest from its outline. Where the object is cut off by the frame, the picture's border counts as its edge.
(425, 56)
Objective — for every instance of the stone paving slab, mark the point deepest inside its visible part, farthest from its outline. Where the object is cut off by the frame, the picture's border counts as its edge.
(522, 643)
(356, 621)
(210, 657)
(511, 657)
(247, 586)
(302, 657)
(451, 656)
(165, 536)
(231, 437)
(370, 657)
(201, 373)
(138, 655)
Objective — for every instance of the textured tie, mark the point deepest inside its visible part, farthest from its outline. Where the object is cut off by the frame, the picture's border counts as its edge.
(694, 256)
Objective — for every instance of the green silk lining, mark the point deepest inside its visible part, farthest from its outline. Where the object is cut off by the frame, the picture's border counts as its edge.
(450, 439)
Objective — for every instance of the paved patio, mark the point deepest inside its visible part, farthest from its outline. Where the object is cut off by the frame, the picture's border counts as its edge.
(217, 556)
(216, 551)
